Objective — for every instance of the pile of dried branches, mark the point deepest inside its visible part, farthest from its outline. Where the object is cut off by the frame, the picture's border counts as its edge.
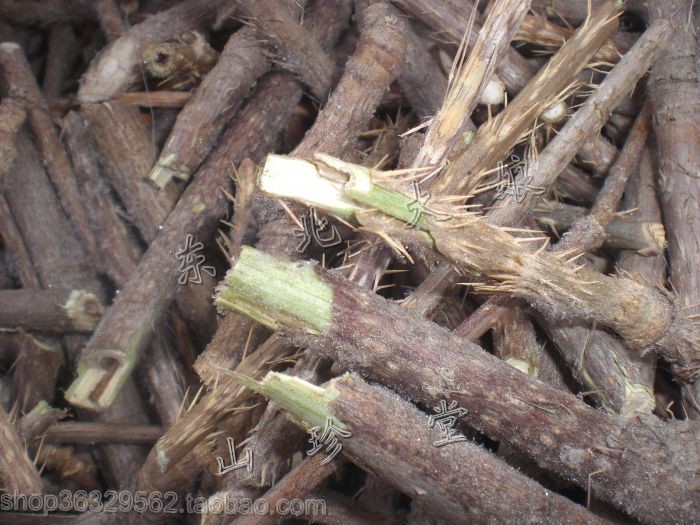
(335, 261)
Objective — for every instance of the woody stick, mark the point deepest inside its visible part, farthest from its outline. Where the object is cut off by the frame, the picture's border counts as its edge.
(23, 86)
(368, 334)
(402, 451)
(117, 67)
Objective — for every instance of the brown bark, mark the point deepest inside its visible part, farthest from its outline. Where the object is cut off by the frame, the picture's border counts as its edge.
(12, 117)
(401, 451)
(60, 59)
(163, 378)
(586, 122)
(21, 265)
(35, 370)
(379, 56)
(422, 80)
(334, 131)
(211, 107)
(116, 244)
(54, 311)
(297, 51)
(675, 95)
(127, 151)
(91, 433)
(121, 254)
(57, 256)
(624, 233)
(22, 85)
(43, 12)
(110, 17)
(374, 337)
(272, 437)
(576, 185)
(17, 471)
(61, 262)
(117, 66)
(588, 233)
(156, 99)
(377, 60)
(127, 325)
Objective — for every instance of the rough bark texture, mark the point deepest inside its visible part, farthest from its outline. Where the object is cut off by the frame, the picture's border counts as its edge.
(378, 58)
(675, 95)
(461, 481)
(426, 363)
(35, 370)
(646, 238)
(127, 152)
(207, 112)
(23, 86)
(116, 243)
(292, 45)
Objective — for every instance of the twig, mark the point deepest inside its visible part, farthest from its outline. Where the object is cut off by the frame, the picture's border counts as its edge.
(585, 123)
(379, 55)
(451, 19)
(403, 452)
(56, 311)
(588, 233)
(125, 145)
(156, 99)
(373, 336)
(48, 12)
(60, 59)
(623, 233)
(297, 51)
(674, 92)
(210, 108)
(23, 86)
(110, 17)
(35, 370)
(126, 328)
(12, 117)
(117, 67)
(14, 246)
(119, 248)
(91, 433)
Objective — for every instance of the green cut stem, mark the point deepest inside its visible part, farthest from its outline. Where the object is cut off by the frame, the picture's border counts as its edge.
(276, 293)
(306, 404)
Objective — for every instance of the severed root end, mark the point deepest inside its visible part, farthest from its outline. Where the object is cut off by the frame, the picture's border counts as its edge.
(190, 56)
(655, 235)
(165, 170)
(102, 373)
(84, 309)
(680, 346)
